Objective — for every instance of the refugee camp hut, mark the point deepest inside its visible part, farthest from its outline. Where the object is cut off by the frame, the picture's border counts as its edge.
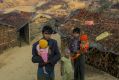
(38, 22)
(14, 29)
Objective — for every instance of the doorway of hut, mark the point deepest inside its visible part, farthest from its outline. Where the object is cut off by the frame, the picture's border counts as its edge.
(24, 35)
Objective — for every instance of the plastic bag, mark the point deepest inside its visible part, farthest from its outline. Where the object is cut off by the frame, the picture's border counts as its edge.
(102, 36)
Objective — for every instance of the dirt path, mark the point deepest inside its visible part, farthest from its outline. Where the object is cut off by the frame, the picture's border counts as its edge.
(15, 64)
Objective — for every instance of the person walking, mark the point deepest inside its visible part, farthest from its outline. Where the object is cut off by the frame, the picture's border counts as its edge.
(53, 56)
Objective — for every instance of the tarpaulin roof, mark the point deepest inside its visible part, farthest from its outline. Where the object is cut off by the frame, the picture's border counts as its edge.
(16, 19)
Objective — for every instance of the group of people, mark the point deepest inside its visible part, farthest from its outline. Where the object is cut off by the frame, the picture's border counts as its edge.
(46, 53)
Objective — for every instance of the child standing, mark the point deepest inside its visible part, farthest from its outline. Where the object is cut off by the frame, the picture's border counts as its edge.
(67, 66)
(84, 46)
(42, 49)
(78, 57)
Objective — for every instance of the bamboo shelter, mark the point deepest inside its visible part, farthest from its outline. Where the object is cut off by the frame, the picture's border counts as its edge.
(14, 29)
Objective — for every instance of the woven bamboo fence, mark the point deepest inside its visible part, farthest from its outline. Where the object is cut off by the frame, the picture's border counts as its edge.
(8, 37)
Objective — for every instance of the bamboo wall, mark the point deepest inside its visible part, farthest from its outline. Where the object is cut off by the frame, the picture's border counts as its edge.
(8, 37)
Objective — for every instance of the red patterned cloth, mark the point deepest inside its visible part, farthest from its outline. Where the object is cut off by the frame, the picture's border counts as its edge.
(84, 46)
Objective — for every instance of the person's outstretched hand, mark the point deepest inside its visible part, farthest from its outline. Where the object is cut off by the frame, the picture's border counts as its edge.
(74, 57)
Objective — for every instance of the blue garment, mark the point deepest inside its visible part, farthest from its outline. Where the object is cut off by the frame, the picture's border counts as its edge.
(53, 57)
(42, 76)
(79, 63)
(74, 45)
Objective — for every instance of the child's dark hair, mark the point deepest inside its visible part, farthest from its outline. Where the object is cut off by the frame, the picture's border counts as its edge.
(76, 30)
(47, 29)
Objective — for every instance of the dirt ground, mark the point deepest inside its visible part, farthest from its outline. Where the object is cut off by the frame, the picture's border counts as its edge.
(15, 64)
